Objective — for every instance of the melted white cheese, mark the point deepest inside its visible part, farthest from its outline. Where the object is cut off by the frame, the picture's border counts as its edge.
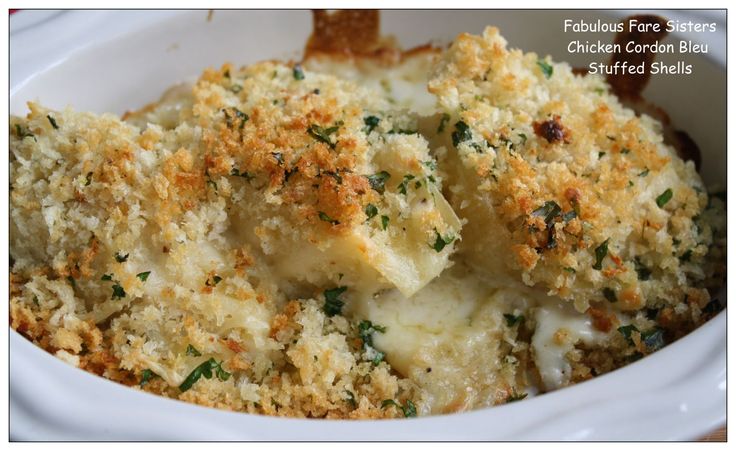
(559, 328)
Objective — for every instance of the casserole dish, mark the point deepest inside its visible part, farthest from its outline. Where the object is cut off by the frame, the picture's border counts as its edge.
(55, 73)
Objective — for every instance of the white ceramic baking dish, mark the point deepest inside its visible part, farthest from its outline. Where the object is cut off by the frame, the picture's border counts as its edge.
(115, 61)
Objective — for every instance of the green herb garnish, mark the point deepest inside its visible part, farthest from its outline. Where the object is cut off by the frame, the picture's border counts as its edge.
(600, 253)
(370, 211)
(378, 181)
(143, 276)
(192, 351)
(549, 211)
(384, 222)
(120, 258)
(409, 409)
(298, 72)
(663, 198)
(642, 271)
(547, 69)
(609, 294)
(644, 173)
(324, 217)
(146, 376)
(366, 330)
(106, 277)
(513, 320)
(52, 121)
(351, 399)
(234, 171)
(430, 164)
(205, 369)
(371, 122)
(626, 332)
(440, 242)
(117, 291)
(514, 396)
(653, 339)
(212, 281)
(333, 304)
(402, 186)
(462, 133)
(323, 134)
(24, 133)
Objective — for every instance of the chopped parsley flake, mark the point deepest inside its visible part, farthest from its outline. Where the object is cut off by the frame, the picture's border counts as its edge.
(333, 304)
(234, 171)
(663, 198)
(351, 399)
(205, 369)
(408, 409)
(236, 88)
(324, 217)
(600, 253)
(569, 269)
(212, 281)
(52, 121)
(371, 211)
(298, 72)
(462, 133)
(547, 69)
(24, 133)
(609, 294)
(146, 376)
(513, 320)
(279, 157)
(192, 351)
(642, 271)
(549, 211)
(569, 216)
(440, 242)
(402, 186)
(371, 122)
(626, 332)
(117, 291)
(514, 396)
(366, 330)
(430, 164)
(384, 222)
(88, 179)
(625, 150)
(120, 258)
(322, 134)
(106, 277)
(143, 276)
(644, 173)
(242, 116)
(378, 181)
(653, 339)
